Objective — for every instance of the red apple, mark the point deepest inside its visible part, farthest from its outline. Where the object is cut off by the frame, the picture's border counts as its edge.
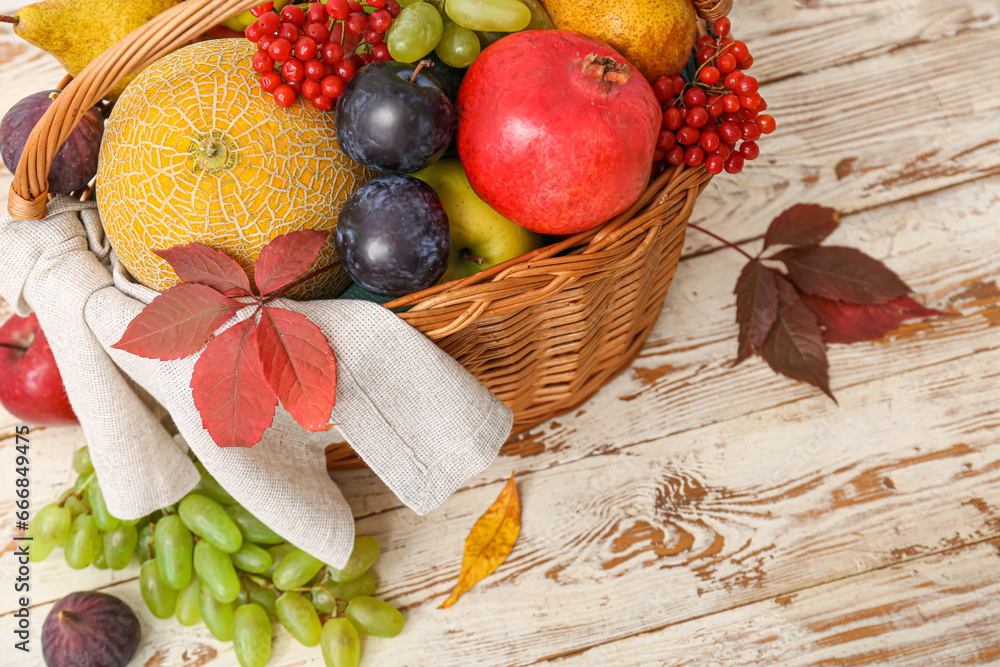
(556, 130)
(30, 385)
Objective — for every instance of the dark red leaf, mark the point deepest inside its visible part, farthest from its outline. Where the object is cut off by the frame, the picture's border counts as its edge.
(197, 263)
(843, 274)
(756, 306)
(286, 258)
(851, 322)
(795, 347)
(230, 392)
(803, 225)
(177, 323)
(299, 366)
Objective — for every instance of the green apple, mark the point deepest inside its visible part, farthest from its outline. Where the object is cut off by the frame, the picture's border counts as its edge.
(480, 237)
(243, 19)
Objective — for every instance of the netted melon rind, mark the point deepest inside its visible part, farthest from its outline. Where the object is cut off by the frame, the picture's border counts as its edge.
(282, 170)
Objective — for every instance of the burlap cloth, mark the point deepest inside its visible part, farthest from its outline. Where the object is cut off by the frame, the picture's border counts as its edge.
(419, 420)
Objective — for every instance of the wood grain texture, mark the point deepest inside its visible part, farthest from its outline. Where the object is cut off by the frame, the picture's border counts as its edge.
(694, 513)
(941, 609)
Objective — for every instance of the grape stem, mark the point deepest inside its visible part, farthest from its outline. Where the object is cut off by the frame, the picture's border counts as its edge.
(722, 240)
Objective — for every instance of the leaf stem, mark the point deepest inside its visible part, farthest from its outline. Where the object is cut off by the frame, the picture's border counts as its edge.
(722, 240)
(267, 298)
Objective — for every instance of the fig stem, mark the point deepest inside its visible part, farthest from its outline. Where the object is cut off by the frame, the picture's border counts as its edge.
(420, 65)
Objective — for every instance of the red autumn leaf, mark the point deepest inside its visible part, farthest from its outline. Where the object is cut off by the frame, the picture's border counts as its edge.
(299, 366)
(851, 322)
(230, 391)
(795, 346)
(286, 258)
(177, 323)
(803, 225)
(842, 274)
(756, 306)
(197, 263)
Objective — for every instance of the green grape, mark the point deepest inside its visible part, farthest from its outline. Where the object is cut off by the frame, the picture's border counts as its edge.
(364, 555)
(251, 558)
(81, 461)
(341, 643)
(406, 3)
(539, 17)
(82, 545)
(216, 571)
(105, 521)
(119, 545)
(498, 15)
(252, 528)
(208, 520)
(209, 487)
(174, 547)
(75, 506)
(160, 598)
(299, 617)
(49, 529)
(101, 563)
(363, 585)
(251, 635)
(81, 484)
(144, 544)
(278, 553)
(414, 33)
(218, 616)
(295, 570)
(265, 597)
(132, 522)
(458, 46)
(187, 603)
(374, 617)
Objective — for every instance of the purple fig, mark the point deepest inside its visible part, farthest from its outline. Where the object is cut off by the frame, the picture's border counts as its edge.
(89, 629)
(75, 163)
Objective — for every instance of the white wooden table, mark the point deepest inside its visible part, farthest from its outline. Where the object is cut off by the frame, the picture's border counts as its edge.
(694, 513)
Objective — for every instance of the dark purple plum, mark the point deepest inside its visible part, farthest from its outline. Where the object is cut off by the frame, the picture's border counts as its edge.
(391, 124)
(75, 163)
(393, 236)
(89, 629)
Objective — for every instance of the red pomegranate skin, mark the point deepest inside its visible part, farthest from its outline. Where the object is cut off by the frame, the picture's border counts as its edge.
(554, 144)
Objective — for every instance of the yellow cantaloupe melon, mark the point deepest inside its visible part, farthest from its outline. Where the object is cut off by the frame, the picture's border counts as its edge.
(195, 151)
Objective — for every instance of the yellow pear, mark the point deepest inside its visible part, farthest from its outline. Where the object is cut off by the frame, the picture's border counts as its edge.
(656, 36)
(77, 31)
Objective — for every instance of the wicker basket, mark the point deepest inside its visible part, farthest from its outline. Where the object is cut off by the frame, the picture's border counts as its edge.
(543, 331)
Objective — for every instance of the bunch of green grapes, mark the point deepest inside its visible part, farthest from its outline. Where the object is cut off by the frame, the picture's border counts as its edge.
(207, 558)
(457, 30)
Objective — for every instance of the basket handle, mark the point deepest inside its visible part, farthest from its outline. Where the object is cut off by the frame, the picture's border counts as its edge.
(713, 10)
(163, 34)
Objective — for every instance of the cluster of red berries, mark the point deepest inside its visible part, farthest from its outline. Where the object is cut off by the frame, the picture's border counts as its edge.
(314, 53)
(705, 119)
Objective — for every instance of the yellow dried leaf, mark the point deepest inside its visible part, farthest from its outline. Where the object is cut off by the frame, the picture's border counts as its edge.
(489, 542)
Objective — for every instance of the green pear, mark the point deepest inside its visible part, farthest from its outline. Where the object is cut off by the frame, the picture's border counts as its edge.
(77, 31)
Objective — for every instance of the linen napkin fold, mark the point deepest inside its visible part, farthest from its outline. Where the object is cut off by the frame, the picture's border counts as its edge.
(419, 420)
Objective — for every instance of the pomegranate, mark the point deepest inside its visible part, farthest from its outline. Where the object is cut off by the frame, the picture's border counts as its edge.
(556, 130)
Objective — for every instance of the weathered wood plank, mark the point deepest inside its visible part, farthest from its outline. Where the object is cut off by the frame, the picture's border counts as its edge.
(682, 527)
(946, 245)
(866, 134)
(789, 37)
(939, 609)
